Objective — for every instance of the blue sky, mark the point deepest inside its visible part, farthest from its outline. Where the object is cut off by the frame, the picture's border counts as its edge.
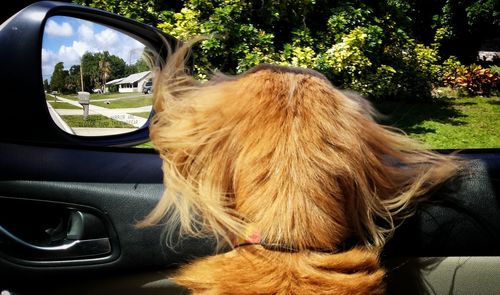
(66, 39)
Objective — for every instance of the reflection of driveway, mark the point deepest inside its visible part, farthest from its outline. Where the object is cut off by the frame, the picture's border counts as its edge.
(101, 131)
(122, 115)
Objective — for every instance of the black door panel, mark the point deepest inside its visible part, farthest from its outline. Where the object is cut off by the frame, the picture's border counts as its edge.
(48, 233)
(104, 165)
(119, 185)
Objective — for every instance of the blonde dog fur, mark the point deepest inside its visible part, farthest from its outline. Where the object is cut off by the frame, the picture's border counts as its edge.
(283, 151)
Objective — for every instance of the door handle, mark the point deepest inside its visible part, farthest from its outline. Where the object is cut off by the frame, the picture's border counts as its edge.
(71, 248)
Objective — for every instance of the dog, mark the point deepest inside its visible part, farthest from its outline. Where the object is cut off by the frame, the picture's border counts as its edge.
(293, 174)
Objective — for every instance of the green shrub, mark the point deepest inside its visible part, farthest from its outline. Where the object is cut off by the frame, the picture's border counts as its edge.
(495, 70)
(367, 46)
(473, 80)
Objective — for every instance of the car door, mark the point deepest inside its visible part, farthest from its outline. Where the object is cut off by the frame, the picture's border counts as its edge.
(69, 204)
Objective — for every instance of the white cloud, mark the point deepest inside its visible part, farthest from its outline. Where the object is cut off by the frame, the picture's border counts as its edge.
(71, 55)
(48, 62)
(87, 40)
(47, 55)
(86, 32)
(107, 38)
(60, 30)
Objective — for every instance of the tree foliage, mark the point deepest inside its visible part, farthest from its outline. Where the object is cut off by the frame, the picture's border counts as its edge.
(101, 67)
(97, 69)
(73, 81)
(57, 82)
(384, 49)
(46, 85)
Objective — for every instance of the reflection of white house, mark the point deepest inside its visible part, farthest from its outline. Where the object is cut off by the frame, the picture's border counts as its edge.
(132, 83)
(489, 50)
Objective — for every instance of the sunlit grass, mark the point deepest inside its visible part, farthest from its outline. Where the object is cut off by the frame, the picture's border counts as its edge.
(443, 123)
(449, 123)
(108, 95)
(125, 103)
(146, 145)
(113, 95)
(63, 105)
(142, 114)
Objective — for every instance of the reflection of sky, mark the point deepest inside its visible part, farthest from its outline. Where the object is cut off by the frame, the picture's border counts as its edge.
(66, 39)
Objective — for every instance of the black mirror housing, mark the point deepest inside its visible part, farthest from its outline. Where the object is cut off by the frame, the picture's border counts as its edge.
(23, 102)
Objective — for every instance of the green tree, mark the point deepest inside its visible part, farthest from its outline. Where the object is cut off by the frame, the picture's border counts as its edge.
(57, 82)
(72, 80)
(104, 67)
(146, 11)
(384, 49)
(469, 24)
(46, 85)
(101, 67)
(117, 66)
(141, 65)
(90, 69)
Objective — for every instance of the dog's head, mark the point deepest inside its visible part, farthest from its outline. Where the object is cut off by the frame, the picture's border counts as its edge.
(282, 149)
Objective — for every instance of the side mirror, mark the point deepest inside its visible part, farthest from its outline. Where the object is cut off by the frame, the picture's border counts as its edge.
(99, 76)
(112, 95)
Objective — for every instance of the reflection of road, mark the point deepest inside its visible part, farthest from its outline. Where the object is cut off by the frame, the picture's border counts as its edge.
(122, 115)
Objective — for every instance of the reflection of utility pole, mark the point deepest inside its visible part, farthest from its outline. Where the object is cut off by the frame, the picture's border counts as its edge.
(81, 73)
(131, 52)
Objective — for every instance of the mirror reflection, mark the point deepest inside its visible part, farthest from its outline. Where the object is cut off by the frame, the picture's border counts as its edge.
(97, 80)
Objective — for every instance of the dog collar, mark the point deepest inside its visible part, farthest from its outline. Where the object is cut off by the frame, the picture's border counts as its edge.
(253, 237)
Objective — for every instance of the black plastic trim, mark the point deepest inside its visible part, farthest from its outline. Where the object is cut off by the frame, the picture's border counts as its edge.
(14, 202)
(21, 70)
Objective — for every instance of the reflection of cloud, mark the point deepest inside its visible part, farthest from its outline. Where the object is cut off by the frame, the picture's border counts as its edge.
(90, 37)
(72, 54)
(47, 55)
(107, 38)
(48, 62)
(60, 30)
(85, 32)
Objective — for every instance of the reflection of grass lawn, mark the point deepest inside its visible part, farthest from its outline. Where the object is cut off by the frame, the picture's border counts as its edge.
(125, 103)
(94, 121)
(63, 105)
(113, 95)
(466, 122)
(69, 96)
(142, 114)
(102, 95)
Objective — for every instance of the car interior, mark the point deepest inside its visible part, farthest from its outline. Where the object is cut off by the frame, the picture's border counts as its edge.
(69, 203)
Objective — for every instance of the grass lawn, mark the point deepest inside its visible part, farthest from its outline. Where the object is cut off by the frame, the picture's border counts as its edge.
(125, 103)
(444, 123)
(464, 122)
(102, 95)
(63, 105)
(94, 121)
(69, 96)
(112, 95)
(146, 145)
(142, 114)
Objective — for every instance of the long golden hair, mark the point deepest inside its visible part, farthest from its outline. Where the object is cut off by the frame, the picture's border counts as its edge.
(282, 149)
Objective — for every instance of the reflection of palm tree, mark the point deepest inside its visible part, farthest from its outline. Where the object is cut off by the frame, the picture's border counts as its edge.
(105, 70)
